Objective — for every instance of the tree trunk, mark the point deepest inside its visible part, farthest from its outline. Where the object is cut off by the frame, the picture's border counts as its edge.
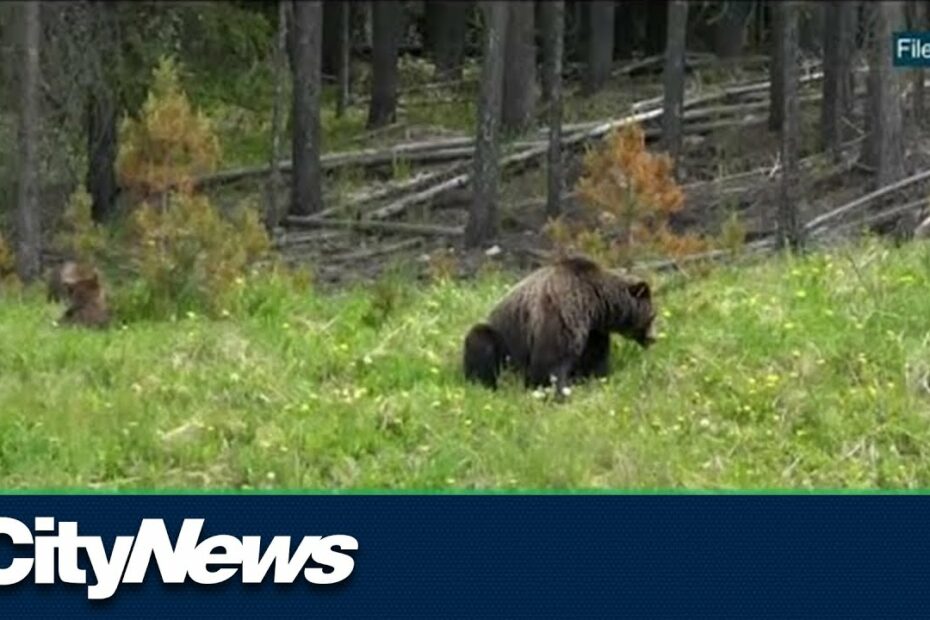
(788, 228)
(730, 29)
(446, 21)
(482, 219)
(811, 23)
(883, 150)
(387, 18)
(519, 68)
(600, 44)
(101, 153)
(343, 69)
(102, 116)
(331, 38)
(674, 77)
(776, 72)
(28, 224)
(624, 33)
(554, 21)
(279, 59)
(839, 46)
(918, 22)
(307, 180)
(656, 14)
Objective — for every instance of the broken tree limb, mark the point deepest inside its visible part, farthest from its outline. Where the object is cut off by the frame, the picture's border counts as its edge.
(435, 150)
(381, 250)
(863, 200)
(387, 227)
(886, 214)
(510, 161)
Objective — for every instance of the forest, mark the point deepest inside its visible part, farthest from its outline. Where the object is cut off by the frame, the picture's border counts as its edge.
(270, 225)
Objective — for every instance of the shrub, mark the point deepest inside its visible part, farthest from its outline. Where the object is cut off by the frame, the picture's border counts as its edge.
(79, 237)
(169, 143)
(189, 257)
(630, 194)
(185, 254)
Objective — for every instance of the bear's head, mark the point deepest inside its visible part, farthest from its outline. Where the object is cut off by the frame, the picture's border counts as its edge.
(632, 312)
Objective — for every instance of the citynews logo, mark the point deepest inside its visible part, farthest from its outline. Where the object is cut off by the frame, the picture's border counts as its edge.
(211, 561)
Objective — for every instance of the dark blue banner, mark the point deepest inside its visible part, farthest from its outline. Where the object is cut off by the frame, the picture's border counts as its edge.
(439, 556)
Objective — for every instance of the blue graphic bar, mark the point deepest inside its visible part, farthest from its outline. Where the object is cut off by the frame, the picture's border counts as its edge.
(474, 556)
(911, 49)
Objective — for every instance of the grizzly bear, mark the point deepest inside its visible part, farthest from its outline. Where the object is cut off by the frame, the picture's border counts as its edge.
(554, 326)
(84, 292)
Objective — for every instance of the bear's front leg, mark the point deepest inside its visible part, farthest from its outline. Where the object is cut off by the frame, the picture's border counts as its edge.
(595, 358)
(550, 367)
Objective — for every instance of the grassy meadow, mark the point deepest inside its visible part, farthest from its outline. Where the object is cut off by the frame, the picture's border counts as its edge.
(792, 373)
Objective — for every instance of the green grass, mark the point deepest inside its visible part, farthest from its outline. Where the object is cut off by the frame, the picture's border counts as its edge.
(789, 374)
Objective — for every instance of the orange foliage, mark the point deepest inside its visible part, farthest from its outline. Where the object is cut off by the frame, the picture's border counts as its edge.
(169, 143)
(631, 193)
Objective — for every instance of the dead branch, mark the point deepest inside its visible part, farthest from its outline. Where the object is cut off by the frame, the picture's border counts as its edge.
(885, 214)
(381, 250)
(863, 200)
(387, 227)
(435, 150)
(510, 161)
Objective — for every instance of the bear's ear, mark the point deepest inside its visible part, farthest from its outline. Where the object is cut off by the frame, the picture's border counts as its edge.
(640, 290)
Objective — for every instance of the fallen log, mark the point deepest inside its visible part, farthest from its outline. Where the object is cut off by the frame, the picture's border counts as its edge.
(863, 200)
(382, 250)
(387, 227)
(885, 214)
(510, 161)
(424, 151)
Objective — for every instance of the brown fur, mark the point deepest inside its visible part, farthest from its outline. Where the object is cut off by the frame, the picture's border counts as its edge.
(85, 294)
(556, 323)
